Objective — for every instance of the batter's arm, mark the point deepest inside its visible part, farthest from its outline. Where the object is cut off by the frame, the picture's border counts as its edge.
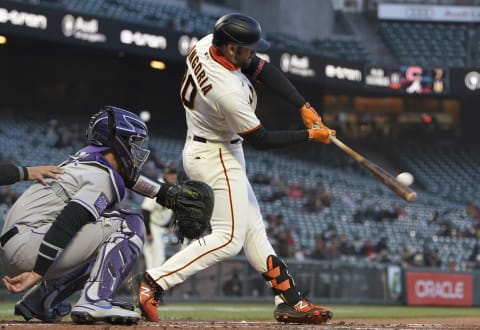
(262, 139)
(267, 74)
(274, 79)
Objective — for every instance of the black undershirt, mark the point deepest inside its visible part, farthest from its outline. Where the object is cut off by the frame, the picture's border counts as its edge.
(271, 77)
(262, 139)
(72, 218)
(268, 75)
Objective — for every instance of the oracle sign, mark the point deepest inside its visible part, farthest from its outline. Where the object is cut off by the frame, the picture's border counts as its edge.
(444, 289)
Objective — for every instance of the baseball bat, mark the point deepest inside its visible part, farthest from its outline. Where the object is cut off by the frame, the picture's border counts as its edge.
(386, 178)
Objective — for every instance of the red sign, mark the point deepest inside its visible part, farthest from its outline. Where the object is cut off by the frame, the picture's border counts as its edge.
(441, 289)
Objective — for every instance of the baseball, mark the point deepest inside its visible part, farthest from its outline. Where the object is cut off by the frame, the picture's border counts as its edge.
(405, 178)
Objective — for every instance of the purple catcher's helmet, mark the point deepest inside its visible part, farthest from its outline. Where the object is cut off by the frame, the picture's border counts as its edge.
(125, 133)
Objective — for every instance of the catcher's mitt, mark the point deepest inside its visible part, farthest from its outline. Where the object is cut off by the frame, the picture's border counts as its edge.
(192, 204)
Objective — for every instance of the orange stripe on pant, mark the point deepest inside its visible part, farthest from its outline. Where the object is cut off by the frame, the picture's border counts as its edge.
(232, 222)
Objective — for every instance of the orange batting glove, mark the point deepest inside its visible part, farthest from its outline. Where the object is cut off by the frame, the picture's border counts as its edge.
(321, 134)
(310, 117)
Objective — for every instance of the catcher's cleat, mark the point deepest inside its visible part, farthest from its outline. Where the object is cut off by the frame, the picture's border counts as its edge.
(147, 295)
(103, 311)
(303, 312)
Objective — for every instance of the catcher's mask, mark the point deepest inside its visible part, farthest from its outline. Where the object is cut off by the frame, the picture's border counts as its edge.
(125, 133)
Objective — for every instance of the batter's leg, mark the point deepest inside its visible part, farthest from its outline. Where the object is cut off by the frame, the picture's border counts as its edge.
(229, 224)
(290, 305)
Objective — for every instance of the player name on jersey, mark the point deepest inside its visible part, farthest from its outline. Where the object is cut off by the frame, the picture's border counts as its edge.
(199, 72)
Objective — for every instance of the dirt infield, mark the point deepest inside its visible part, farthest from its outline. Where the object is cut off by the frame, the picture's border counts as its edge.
(350, 324)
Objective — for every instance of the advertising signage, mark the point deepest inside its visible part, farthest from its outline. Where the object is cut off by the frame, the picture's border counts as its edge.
(87, 30)
(466, 81)
(439, 289)
(164, 44)
(343, 73)
(411, 79)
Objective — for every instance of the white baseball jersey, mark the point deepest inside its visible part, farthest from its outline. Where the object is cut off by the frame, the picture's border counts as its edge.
(220, 103)
(219, 100)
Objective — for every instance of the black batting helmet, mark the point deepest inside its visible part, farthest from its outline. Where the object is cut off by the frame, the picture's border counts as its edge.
(241, 30)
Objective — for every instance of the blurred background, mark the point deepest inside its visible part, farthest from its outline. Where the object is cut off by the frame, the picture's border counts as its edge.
(398, 80)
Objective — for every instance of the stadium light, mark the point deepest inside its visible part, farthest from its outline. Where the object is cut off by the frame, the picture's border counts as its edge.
(3, 40)
(158, 65)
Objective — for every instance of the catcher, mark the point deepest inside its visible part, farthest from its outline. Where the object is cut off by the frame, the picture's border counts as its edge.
(69, 235)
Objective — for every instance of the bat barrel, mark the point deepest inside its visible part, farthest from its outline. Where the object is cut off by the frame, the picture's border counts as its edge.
(383, 176)
(411, 197)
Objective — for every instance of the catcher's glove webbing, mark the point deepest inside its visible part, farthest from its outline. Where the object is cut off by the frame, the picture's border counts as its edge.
(192, 204)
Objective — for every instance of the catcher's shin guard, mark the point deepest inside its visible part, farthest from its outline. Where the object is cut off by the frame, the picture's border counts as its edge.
(46, 300)
(280, 281)
(115, 261)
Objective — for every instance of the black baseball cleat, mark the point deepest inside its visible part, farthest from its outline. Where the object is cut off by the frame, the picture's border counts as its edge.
(303, 312)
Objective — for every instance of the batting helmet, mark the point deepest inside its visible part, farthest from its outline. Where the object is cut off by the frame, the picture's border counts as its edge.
(240, 30)
(123, 132)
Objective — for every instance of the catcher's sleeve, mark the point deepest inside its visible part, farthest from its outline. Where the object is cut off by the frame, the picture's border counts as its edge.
(147, 187)
(163, 192)
(72, 218)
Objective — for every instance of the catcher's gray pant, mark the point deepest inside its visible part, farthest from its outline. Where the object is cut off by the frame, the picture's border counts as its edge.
(20, 252)
(114, 261)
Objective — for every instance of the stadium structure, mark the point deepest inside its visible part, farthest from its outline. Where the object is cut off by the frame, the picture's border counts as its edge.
(398, 80)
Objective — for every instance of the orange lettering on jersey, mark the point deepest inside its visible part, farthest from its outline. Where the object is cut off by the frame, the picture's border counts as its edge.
(199, 72)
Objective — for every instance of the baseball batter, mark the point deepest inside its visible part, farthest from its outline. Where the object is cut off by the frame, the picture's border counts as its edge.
(220, 100)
